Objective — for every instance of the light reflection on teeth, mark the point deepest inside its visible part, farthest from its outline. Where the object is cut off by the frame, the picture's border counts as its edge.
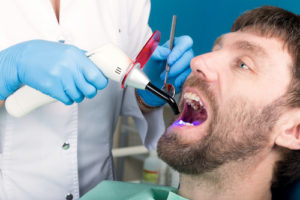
(183, 123)
(191, 96)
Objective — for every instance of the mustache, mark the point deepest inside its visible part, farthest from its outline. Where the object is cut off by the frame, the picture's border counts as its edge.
(196, 82)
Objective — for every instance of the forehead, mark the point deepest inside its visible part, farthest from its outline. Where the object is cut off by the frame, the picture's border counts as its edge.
(251, 40)
(268, 48)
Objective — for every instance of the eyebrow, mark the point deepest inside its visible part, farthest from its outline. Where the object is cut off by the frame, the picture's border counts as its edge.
(243, 45)
(250, 47)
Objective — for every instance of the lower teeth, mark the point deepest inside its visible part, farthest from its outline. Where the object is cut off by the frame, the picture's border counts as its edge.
(185, 123)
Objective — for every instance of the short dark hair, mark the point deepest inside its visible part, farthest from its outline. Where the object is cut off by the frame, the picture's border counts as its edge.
(269, 21)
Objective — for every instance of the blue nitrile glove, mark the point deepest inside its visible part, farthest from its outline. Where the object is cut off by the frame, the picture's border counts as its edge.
(179, 61)
(59, 70)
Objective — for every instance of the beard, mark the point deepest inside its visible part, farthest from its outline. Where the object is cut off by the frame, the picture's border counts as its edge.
(237, 131)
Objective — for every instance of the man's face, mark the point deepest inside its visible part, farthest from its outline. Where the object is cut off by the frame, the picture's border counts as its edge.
(229, 103)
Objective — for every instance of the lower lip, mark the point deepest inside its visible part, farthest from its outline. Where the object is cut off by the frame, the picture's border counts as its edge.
(188, 133)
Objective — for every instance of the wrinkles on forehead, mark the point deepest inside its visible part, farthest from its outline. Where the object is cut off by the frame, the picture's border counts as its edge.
(243, 45)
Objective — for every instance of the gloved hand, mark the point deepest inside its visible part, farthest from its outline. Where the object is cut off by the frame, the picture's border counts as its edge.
(179, 61)
(59, 70)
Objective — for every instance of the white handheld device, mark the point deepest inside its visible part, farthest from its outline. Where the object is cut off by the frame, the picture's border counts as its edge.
(111, 60)
(114, 64)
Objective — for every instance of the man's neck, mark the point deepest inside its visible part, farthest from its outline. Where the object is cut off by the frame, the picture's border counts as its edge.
(247, 180)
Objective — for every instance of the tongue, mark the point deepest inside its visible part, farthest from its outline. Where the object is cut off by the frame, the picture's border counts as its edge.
(190, 115)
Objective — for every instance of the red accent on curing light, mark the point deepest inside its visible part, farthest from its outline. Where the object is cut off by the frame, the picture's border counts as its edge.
(144, 54)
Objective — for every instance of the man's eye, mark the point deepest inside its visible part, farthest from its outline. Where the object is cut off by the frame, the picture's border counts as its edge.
(242, 65)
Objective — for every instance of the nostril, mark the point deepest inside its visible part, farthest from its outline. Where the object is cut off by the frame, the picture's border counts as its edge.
(201, 73)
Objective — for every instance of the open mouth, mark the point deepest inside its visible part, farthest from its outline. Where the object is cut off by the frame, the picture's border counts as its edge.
(194, 112)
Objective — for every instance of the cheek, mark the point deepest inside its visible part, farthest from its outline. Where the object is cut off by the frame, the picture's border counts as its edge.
(266, 91)
(257, 92)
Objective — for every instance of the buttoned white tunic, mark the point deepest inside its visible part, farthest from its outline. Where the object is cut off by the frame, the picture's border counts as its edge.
(59, 151)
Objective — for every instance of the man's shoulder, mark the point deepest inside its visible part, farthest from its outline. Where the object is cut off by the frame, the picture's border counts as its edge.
(115, 190)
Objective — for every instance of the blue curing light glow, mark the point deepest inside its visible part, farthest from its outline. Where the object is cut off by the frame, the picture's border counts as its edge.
(196, 123)
(181, 123)
(178, 123)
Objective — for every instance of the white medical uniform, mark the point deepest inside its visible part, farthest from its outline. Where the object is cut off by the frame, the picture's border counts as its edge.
(58, 151)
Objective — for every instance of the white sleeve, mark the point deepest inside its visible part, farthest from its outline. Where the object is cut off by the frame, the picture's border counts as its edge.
(137, 12)
(150, 125)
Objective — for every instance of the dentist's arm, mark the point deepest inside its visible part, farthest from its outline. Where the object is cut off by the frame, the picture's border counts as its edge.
(59, 70)
(1, 103)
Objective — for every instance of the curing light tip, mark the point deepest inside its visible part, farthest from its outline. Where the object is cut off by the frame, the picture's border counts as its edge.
(170, 100)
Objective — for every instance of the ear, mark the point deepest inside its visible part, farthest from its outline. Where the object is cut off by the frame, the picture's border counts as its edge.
(289, 130)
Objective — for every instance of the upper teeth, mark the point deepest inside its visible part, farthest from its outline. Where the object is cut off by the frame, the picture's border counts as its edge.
(190, 97)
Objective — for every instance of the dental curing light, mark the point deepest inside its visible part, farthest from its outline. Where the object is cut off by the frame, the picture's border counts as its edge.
(114, 64)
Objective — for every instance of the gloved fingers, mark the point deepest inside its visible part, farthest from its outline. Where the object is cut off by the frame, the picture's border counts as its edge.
(85, 87)
(83, 51)
(180, 65)
(167, 44)
(64, 99)
(161, 53)
(59, 94)
(71, 90)
(181, 45)
(92, 73)
(180, 79)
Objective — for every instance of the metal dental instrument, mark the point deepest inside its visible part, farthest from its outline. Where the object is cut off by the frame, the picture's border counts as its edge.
(169, 88)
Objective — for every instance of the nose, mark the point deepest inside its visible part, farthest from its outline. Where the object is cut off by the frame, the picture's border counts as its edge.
(205, 66)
